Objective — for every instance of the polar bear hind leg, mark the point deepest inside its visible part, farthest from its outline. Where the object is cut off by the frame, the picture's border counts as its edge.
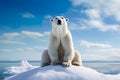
(77, 59)
(45, 59)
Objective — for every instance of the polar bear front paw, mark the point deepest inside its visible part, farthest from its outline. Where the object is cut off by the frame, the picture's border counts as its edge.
(55, 63)
(66, 64)
(45, 64)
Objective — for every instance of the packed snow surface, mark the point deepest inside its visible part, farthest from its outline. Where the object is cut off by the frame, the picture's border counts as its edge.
(60, 73)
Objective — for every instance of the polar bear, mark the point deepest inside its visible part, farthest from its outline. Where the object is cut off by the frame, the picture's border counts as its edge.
(61, 49)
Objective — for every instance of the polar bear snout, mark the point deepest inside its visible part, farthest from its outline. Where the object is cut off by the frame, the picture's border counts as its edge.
(59, 22)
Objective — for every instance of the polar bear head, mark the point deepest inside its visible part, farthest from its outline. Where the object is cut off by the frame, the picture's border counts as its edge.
(59, 24)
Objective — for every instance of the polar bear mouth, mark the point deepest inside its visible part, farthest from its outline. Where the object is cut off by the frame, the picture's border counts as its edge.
(59, 22)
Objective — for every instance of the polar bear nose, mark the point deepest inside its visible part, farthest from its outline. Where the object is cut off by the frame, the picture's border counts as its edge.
(59, 22)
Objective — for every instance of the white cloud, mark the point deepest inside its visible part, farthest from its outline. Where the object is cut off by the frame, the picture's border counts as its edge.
(101, 54)
(11, 35)
(100, 25)
(95, 21)
(88, 44)
(92, 13)
(46, 33)
(75, 10)
(35, 49)
(73, 26)
(10, 42)
(33, 35)
(47, 16)
(107, 8)
(97, 11)
(28, 15)
(19, 37)
(24, 34)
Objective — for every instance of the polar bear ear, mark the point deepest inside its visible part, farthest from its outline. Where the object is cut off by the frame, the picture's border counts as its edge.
(67, 19)
(51, 19)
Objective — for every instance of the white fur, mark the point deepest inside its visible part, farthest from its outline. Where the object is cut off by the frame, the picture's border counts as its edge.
(61, 49)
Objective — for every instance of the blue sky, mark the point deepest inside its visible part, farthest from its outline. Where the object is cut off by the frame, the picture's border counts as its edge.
(25, 27)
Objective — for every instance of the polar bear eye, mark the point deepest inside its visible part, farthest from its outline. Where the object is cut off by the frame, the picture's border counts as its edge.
(55, 18)
(67, 19)
(51, 20)
(62, 17)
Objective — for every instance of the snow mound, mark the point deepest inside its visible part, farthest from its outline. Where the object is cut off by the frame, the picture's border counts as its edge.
(24, 66)
(63, 73)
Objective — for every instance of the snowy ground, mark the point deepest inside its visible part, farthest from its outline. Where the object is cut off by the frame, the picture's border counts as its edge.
(58, 73)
